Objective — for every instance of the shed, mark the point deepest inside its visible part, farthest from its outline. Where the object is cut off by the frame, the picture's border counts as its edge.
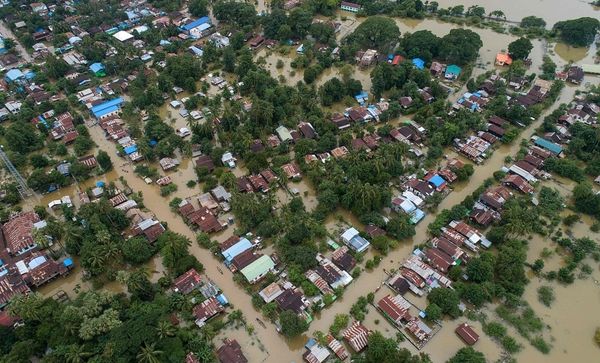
(467, 334)
(418, 63)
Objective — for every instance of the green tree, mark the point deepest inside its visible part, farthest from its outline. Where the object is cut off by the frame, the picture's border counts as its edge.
(520, 48)
(376, 32)
(149, 354)
(460, 46)
(467, 355)
(578, 32)
(198, 8)
(291, 324)
(104, 160)
(446, 299)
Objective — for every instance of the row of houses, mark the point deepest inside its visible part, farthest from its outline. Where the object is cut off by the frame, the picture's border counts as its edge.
(23, 264)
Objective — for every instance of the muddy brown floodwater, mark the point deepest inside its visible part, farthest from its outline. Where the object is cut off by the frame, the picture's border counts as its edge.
(550, 10)
(571, 318)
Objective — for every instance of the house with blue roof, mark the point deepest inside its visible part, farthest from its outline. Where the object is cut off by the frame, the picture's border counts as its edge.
(198, 28)
(354, 240)
(548, 145)
(242, 245)
(107, 108)
(14, 75)
(98, 69)
(418, 63)
(452, 72)
(436, 181)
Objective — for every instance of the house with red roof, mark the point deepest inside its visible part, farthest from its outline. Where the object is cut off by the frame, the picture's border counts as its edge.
(187, 282)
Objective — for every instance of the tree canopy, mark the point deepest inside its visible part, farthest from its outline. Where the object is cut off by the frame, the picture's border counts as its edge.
(578, 32)
(376, 32)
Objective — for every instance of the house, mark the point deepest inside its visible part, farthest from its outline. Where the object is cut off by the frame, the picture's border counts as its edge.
(340, 152)
(436, 69)
(340, 121)
(168, 163)
(258, 269)
(418, 63)
(399, 284)
(548, 145)
(231, 352)
(483, 216)
(291, 170)
(519, 183)
(307, 130)
(239, 247)
(228, 160)
(337, 347)
(107, 108)
(452, 72)
(438, 260)
(437, 181)
(351, 7)
(98, 69)
(206, 310)
(206, 200)
(205, 161)
(284, 134)
(496, 130)
(315, 353)
(575, 75)
(342, 258)
(258, 183)
(421, 188)
(11, 284)
(123, 36)
(198, 28)
(447, 247)
(503, 59)
(467, 334)
(243, 259)
(18, 233)
(319, 282)
(244, 185)
(271, 292)
(395, 308)
(357, 336)
(352, 238)
(256, 42)
(419, 330)
(187, 282)
(293, 300)
(374, 231)
(14, 75)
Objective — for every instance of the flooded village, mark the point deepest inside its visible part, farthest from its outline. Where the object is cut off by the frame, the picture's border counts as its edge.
(299, 181)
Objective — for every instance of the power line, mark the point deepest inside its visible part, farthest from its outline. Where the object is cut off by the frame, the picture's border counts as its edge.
(22, 186)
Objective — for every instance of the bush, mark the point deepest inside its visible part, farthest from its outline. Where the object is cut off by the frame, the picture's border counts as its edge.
(546, 295)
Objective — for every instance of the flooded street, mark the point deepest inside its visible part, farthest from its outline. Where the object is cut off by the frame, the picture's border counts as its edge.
(551, 11)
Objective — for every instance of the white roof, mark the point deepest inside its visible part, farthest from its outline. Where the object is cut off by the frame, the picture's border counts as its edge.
(122, 35)
(349, 234)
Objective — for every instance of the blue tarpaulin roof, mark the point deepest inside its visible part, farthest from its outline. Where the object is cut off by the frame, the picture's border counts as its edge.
(99, 183)
(437, 180)
(196, 23)
(68, 262)
(222, 299)
(242, 245)
(417, 216)
(419, 63)
(13, 74)
(130, 149)
(96, 67)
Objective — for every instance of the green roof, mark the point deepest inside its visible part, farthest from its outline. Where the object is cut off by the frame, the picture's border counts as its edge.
(258, 268)
(591, 68)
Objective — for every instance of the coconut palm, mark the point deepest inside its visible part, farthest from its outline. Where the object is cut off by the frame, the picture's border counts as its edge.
(149, 354)
(76, 354)
(165, 329)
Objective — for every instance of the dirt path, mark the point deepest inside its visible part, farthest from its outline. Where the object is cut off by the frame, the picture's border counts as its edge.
(7, 33)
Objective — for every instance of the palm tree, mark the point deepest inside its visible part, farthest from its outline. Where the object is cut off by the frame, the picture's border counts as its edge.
(165, 329)
(96, 258)
(149, 354)
(76, 354)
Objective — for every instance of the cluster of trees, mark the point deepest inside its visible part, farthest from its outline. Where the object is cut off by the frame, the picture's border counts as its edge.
(460, 46)
(278, 25)
(376, 32)
(579, 32)
(98, 326)
(406, 80)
